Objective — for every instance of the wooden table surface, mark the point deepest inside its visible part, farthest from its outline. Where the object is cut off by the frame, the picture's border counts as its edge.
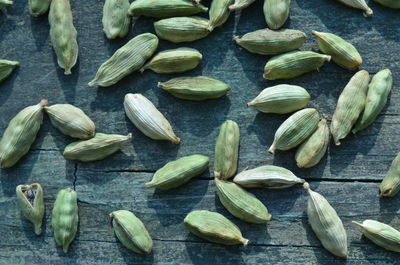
(348, 176)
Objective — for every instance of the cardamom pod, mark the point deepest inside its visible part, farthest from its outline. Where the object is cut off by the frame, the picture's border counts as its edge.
(162, 8)
(350, 104)
(71, 121)
(240, 4)
(269, 177)
(269, 42)
(20, 134)
(227, 150)
(378, 92)
(116, 20)
(178, 172)
(174, 61)
(281, 99)
(38, 7)
(126, 60)
(295, 129)
(97, 148)
(63, 34)
(276, 12)
(30, 200)
(358, 4)
(219, 13)
(389, 3)
(6, 68)
(65, 218)
(326, 224)
(293, 64)
(240, 203)
(390, 185)
(146, 117)
(214, 227)
(5, 3)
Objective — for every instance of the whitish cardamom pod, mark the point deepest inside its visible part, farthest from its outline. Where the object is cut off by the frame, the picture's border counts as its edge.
(390, 185)
(219, 13)
(162, 8)
(276, 12)
(358, 4)
(20, 134)
(214, 227)
(293, 64)
(295, 130)
(240, 4)
(350, 105)
(146, 117)
(5, 3)
(195, 88)
(116, 20)
(71, 121)
(389, 3)
(131, 231)
(65, 218)
(326, 224)
(178, 172)
(269, 42)
(378, 92)
(174, 61)
(38, 7)
(6, 68)
(281, 99)
(63, 34)
(240, 203)
(30, 200)
(269, 177)
(126, 60)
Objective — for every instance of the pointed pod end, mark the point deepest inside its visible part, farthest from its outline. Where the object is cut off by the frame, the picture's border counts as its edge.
(91, 84)
(386, 192)
(325, 116)
(159, 85)
(176, 140)
(236, 38)
(306, 186)
(129, 136)
(210, 28)
(65, 248)
(142, 70)
(149, 185)
(369, 12)
(44, 102)
(328, 58)
(244, 241)
(38, 229)
(271, 150)
(356, 223)
(266, 73)
(217, 174)
(67, 72)
(111, 215)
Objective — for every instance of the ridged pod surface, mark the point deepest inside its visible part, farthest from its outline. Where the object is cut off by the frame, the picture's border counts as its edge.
(240, 4)
(116, 20)
(163, 8)
(30, 200)
(6, 68)
(276, 12)
(219, 13)
(358, 4)
(38, 7)
(389, 3)
(390, 185)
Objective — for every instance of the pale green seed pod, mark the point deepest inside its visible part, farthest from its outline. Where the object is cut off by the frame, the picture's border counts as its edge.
(295, 130)
(214, 227)
(378, 92)
(293, 64)
(350, 104)
(20, 134)
(126, 60)
(5, 3)
(389, 3)
(131, 232)
(71, 121)
(326, 224)
(174, 61)
(276, 12)
(390, 185)
(269, 42)
(358, 4)
(219, 13)
(240, 4)
(162, 8)
(116, 20)
(241, 204)
(63, 34)
(6, 68)
(65, 218)
(97, 148)
(38, 7)
(30, 200)
(281, 99)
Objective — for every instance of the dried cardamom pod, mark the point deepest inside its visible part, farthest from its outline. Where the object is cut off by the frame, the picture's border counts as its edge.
(350, 105)
(269, 42)
(116, 20)
(174, 61)
(63, 34)
(6, 68)
(281, 99)
(126, 60)
(240, 4)
(5, 3)
(326, 224)
(38, 7)
(293, 64)
(178, 172)
(276, 12)
(71, 121)
(97, 148)
(390, 185)
(240, 203)
(269, 177)
(219, 13)
(162, 8)
(131, 232)
(389, 3)
(227, 150)
(65, 217)
(30, 200)
(378, 92)
(20, 134)
(214, 227)
(295, 130)
(358, 4)
(146, 117)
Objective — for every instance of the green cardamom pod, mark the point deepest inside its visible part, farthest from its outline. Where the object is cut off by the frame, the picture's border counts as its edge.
(20, 134)
(5, 3)
(389, 3)
(126, 60)
(358, 4)
(174, 61)
(281, 99)
(295, 130)
(116, 20)
(38, 7)
(390, 185)
(131, 232)
(350, 104)
(178, 172)
(195, 88)
(214, 227)
(293, 64)
(219, 13)
(65, 218)
(276, 12)
(6, 68)
(30, 200)
(326, 224)
(162, 8)
(269, 42)
(378, 92)
(240, 4)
